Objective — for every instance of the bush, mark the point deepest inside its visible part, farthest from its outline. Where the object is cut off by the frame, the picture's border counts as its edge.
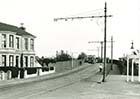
(31, 70)
(120, 65)
(45, 69)
(62, 57)
(82, 56)
(51, 68)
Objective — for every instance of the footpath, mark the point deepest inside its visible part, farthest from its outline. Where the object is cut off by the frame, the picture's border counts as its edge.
(13, 82)
(114, 87)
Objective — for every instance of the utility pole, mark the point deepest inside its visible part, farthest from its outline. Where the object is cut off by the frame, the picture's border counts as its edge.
(72, 61)
(101, 42)
(111, 52)
(105, 25)
(98, 51)
(105, 21)
(101, 52)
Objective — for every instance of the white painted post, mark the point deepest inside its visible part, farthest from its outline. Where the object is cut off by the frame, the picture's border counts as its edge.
(9, 74)
(139, 71)
(3, 75)
(25, 74)
(127, 69)
(132, 72)
(18, 74)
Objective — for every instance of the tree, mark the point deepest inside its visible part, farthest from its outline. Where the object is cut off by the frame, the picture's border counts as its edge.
(45, 61)
(82, 56)
(63, 56)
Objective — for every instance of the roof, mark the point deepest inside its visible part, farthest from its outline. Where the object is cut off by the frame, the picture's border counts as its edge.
(12, 28)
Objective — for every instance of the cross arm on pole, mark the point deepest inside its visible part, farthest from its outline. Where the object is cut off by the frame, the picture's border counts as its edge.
(100, 41)
(67, 18)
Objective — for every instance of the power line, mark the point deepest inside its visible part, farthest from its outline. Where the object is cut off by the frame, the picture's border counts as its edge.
(105, 27)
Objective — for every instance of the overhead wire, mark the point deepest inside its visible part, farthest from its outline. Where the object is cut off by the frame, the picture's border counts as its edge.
(91, 12)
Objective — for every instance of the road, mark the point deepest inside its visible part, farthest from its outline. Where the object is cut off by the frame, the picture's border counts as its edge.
(69, 86)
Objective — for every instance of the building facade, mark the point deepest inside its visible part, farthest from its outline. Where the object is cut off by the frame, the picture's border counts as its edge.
(16, 47)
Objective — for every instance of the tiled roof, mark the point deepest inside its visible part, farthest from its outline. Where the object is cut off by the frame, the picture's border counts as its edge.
(19, 31)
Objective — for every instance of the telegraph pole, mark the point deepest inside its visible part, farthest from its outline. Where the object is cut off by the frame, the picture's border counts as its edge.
(98, 51)
(101, 42)
(105, 20)
(111, 52)
(101, 52)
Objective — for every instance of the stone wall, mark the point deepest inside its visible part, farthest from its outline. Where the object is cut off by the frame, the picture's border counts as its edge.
(67, 65)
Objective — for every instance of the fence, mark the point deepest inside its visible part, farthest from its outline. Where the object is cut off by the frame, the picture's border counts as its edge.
(7, 73)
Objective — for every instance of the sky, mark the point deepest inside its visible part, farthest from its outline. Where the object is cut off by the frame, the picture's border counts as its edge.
(73, 36)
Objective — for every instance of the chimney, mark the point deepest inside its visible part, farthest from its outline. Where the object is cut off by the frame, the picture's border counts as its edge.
(22, 27)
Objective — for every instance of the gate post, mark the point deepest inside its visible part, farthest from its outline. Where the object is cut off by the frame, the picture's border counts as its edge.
(9, 73)
(127, 69)
(139, 71)
(132, 72)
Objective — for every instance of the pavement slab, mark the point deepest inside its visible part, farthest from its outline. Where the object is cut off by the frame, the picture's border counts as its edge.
(115, 87)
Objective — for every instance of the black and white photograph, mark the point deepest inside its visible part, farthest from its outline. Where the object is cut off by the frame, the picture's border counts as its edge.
(69, 49)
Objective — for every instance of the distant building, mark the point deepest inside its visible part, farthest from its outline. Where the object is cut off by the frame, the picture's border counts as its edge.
(91, 59)
(16, 47)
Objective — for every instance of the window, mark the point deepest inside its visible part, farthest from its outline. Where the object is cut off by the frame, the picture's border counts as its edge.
(3, 40)
(26, 61)
(17, 42)
(17, 61)
(11, 60)
(32, 44)
(26, 43)
(32, 61)
(4, 60)
(11, 41)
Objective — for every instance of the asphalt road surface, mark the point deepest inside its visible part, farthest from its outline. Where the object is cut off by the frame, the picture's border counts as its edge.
(72, 86)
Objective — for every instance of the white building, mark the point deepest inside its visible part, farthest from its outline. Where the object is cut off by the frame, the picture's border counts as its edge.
(16, 47)
(17, 54)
